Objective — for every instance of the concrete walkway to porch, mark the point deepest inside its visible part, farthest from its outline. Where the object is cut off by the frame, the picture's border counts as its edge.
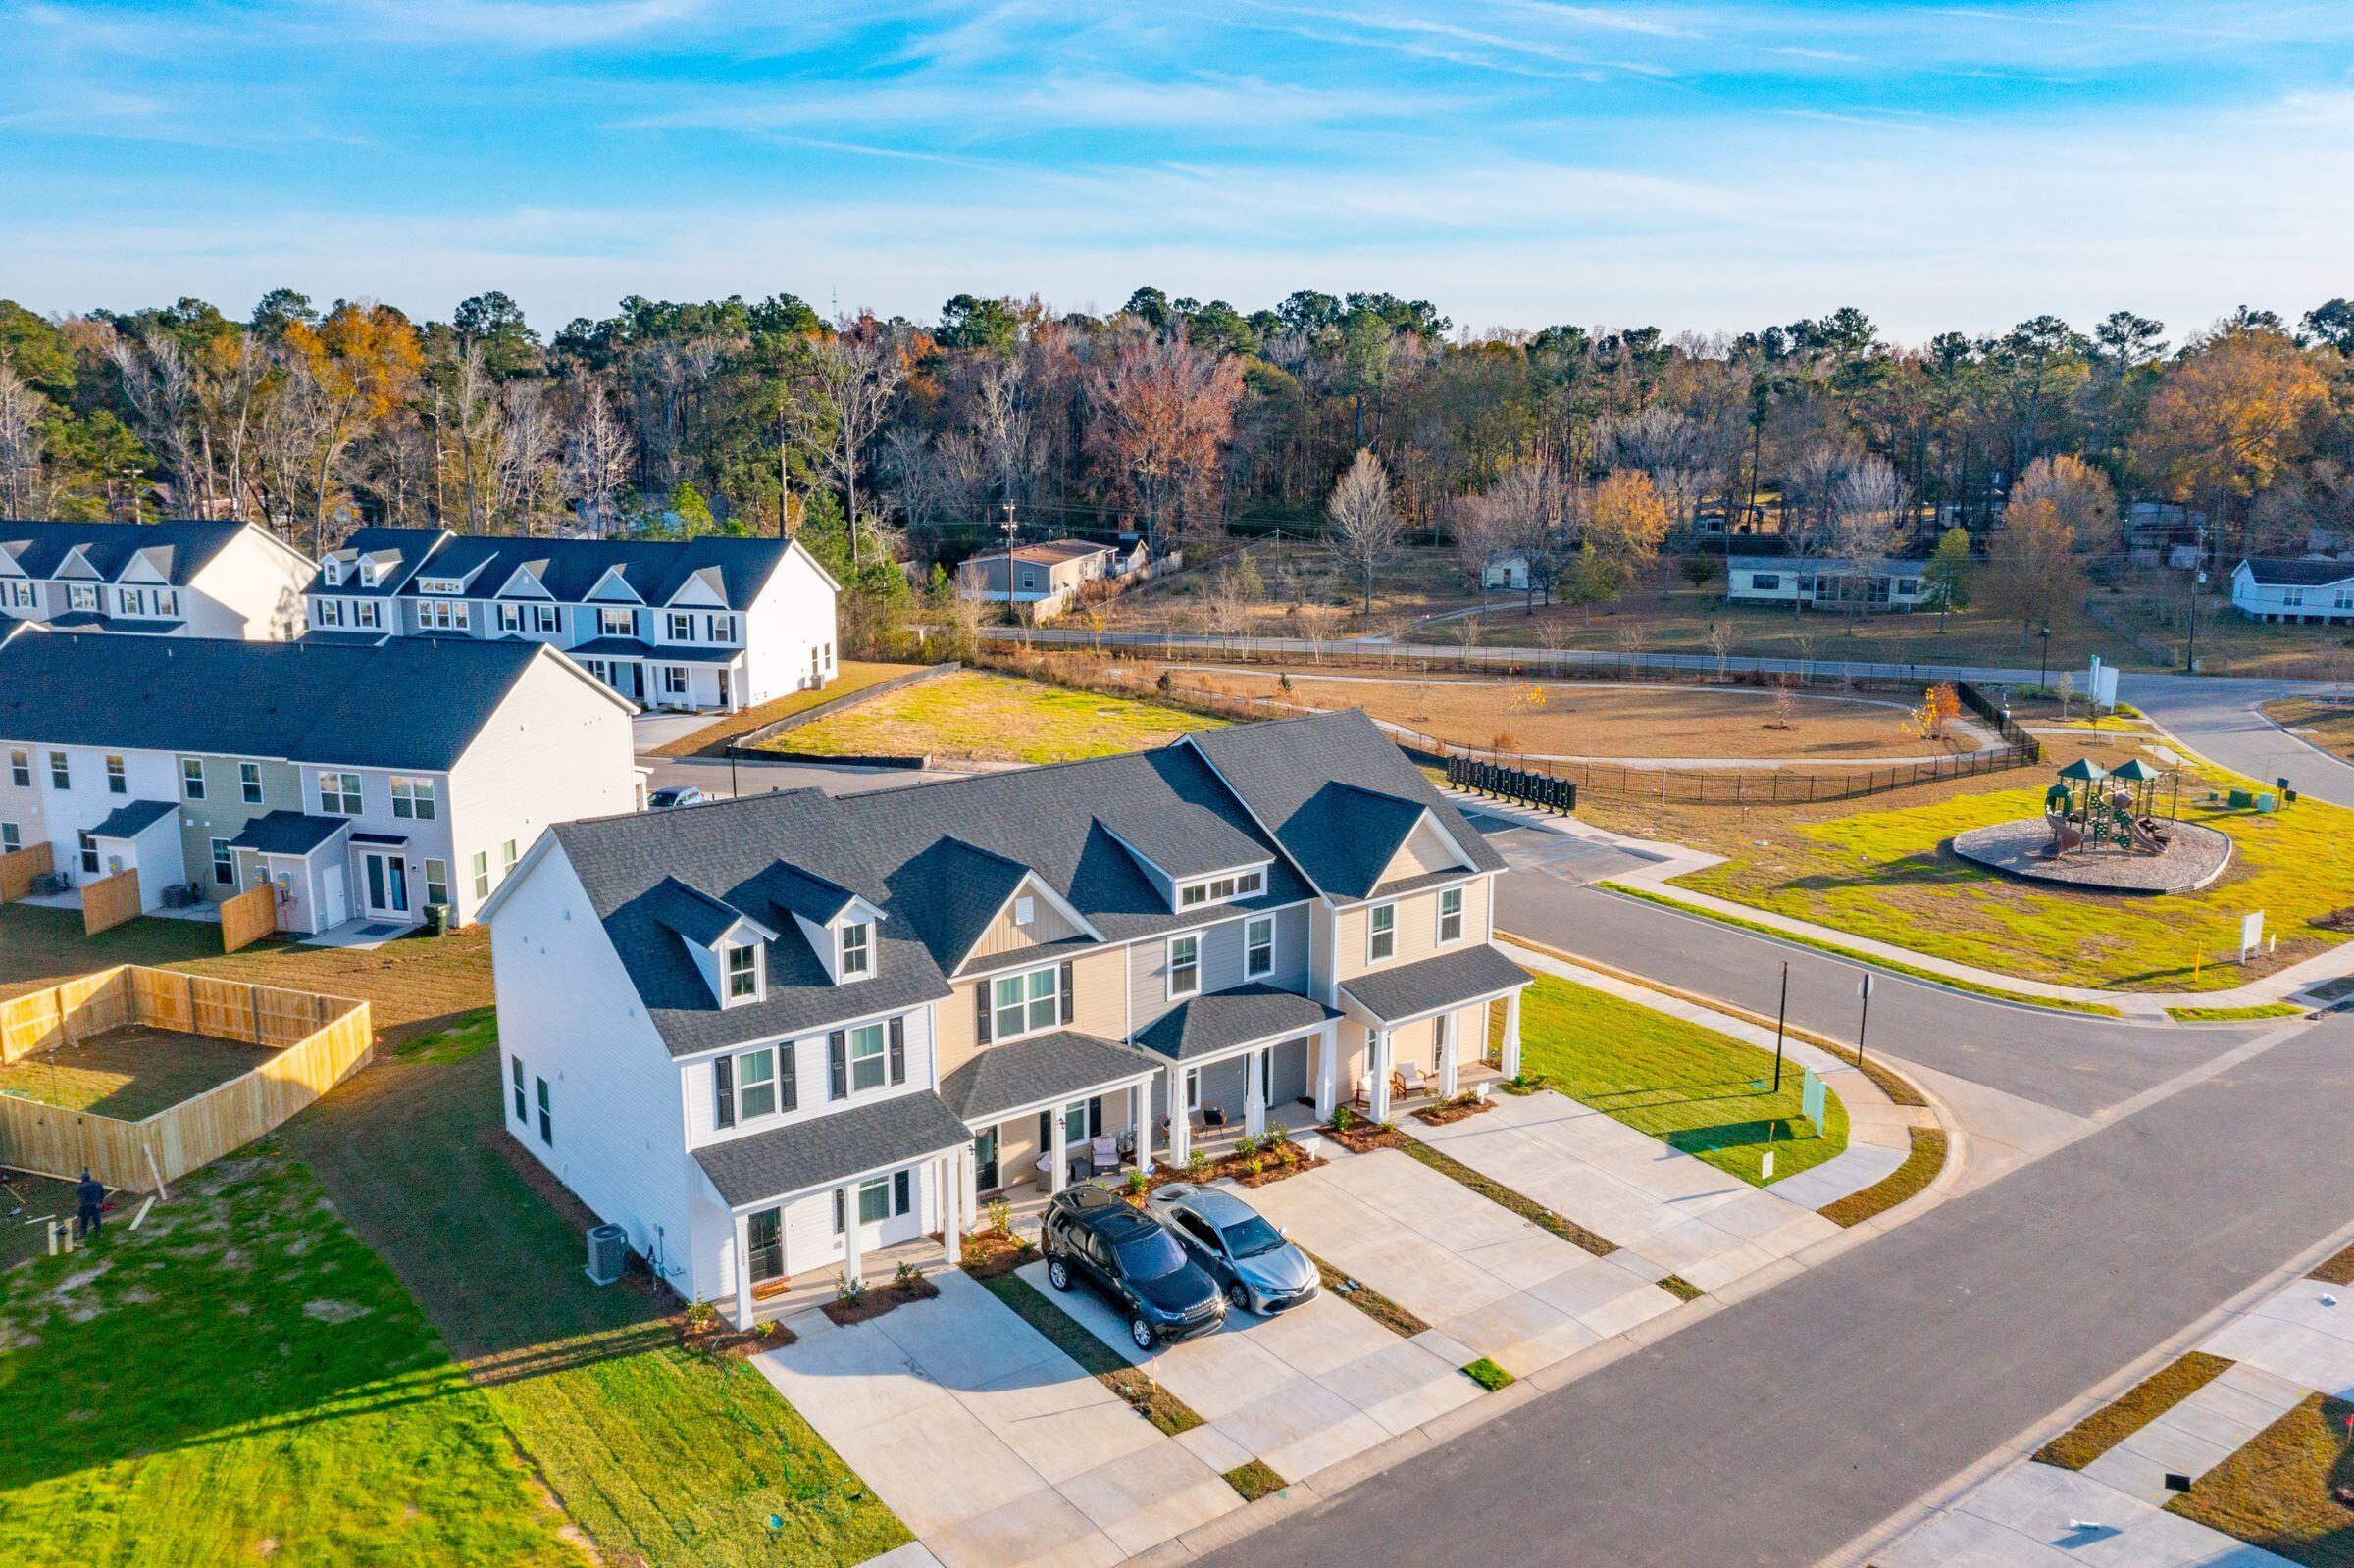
(993, 1446)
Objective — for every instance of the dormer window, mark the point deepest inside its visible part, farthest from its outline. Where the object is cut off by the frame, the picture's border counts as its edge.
(1221, 890)
(370, 573)
(1025, 910)
(743, 973)
(857, 951)
(332, 570)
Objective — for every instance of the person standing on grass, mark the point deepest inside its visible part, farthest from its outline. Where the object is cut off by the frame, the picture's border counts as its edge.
(91, 1194)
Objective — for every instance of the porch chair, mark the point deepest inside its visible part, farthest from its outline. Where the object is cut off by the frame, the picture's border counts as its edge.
(1103, 1153)
(1408, 1081)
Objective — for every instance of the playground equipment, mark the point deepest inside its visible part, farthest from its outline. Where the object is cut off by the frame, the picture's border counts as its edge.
(2123, 817)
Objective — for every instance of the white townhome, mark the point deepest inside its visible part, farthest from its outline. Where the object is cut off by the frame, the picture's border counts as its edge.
(363, 783)
(770, 1036)
(183, 576)
(2310, 590)
(714, 623)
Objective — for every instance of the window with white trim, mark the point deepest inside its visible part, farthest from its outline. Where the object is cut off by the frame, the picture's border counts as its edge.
(522, 1111)
(1185, 965)
(61, 771)
(339, 795)
(249, 782)
(224, 864)
(328, 612)
(436, 882)
(617, 622)
(191, 778)
(81, 596)
(89, 851)
(116, 783)
(547, 619)
(1381, 933)
(413, 799)
(506, 856)
(879, 1199)
(674, 681)
(12, 838)
(510, 618)
(18, 595)
(744, 973)
(367, 613)
(20, 767)
(442, 615)
(870, 1066)
(1258, 946)
(720, 628)
(332, 570)
(1450, 915)
(681, 626)
(1219, 889)
(750, 1084)
(482, 873)
(857, 950)
(1026, 1003)
(1765, 583)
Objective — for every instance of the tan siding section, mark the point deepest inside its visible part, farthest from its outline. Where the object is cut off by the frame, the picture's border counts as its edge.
(1417, 928)
(1099, 1006)
(1423, 853)
(1046, 925)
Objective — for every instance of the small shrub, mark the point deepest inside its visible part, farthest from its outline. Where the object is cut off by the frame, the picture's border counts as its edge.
(1197, 1165)
(906, 1275)
(1386, 1126)
(1342, 1118)
(1247, 1145)
(847, 1290)
(1278, 1135)
(703, 1316)
(1000, 1216)
(1137, 1181)
(1254, 1166)
(765, 1328)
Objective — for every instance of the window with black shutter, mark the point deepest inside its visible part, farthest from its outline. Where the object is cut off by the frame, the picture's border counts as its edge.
(789, 1082)
(723, 1096)
(902, 1193)
(981, 1035)
(898, 1050)
(838, 1065)
(1070, 1006)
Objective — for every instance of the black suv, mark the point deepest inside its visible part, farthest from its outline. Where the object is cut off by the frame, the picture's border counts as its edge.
(1093, 1235)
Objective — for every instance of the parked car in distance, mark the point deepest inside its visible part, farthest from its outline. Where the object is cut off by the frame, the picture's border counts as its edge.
(674, 795)
(1092, 1234)
(1254, 1263)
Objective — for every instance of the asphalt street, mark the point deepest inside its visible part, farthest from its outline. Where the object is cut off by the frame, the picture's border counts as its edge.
(2217, 715)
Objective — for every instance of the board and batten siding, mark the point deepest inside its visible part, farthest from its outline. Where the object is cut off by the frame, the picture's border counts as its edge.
(1007, 935)
(569, 1013)
(1222, 950)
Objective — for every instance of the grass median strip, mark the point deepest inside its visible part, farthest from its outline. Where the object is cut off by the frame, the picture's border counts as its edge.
(1254, 1480)
(1488, 1375)
(2233, 1015)
(1371, 1302)
(2280, 1490)
(1909, 1180)
(2337, 1269)
(2140, 1405)
(1893, 966)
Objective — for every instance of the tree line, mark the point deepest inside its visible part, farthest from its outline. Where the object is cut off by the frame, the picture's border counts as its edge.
(1364, 418)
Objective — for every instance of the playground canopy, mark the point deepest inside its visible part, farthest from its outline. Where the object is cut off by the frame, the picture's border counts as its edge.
(2086, 771)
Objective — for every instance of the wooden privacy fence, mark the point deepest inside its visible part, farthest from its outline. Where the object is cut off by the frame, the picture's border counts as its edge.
(19, 868)
(109, 901)
(248, 916)
(319, 1042)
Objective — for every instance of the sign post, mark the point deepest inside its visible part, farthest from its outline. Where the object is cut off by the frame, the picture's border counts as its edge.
(1864, 1015)
(1780, 1013)
(2251, 934)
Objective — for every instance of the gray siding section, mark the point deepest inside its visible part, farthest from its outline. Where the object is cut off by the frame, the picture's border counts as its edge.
(1221, 963)
(224, 812)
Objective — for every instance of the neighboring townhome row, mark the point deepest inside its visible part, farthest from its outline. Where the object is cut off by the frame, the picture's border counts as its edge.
(179, 578)
(712, 623)
(2310, 591)
(364, 784)
(770, 1036)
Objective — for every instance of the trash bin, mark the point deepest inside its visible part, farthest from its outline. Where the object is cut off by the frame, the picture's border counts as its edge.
(437, 920)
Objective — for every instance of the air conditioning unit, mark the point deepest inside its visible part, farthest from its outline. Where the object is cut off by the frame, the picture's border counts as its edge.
(608, 1252)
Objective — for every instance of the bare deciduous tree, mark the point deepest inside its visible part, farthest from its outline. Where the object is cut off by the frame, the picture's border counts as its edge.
(1364, 524)
(597, 457)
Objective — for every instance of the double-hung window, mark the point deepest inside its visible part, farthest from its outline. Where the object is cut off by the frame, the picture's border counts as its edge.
(1185, 965)
(1381, 933)
(753, 1085)
(61, 771)
(681, 626)
(1450, 915)
(1258, 946)
(857, 950)
(339, 795)
(89, 851)
(545, 619)
(327, 613)
(224, 864)
(523, 1110)
(722, 628)
(1026, 1003)
(617, 622)
(547, 1125)
(81, 596)
(510, 618)
(116, 783)
(20, 767)
(367, 613)
(413, 799)
(249, 782)
(191, 778)
(869, 1066)
(506, 856)
(744, 973)
(482, 873)
(673, 680)
(436, 882)
(12, 838)
(878, 1200)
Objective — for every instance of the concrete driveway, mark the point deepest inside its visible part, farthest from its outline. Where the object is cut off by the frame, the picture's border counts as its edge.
(1478, 1273)
(1303, 1391)
(993, 1447)
(1676, 1212)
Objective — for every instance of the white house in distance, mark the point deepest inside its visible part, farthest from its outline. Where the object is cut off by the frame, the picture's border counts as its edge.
(364, 782)
(769, 1036)
(716, 623)
(1046, 573)
(2308, 592)
(1824, 581)
(187, 577)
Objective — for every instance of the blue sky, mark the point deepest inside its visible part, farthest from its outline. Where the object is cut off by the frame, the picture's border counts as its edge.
(1518, 162)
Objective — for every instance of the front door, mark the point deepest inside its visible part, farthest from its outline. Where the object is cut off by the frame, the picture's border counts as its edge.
(333, 907)
(985, 1161)
(725, 701)
(764, 1234)
(387, 883)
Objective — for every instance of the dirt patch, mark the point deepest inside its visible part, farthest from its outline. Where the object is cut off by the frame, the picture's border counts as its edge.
(1456, 1109)
(330, 1311)
(1364, 1137)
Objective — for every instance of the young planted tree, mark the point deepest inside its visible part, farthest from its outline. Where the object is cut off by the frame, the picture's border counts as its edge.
(1364, 523)
(1946, 581)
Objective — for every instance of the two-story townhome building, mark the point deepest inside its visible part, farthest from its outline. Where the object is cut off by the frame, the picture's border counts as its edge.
(187, 577)
(770, 1036)
(2312, 591)
(364, 784)
(714, 623)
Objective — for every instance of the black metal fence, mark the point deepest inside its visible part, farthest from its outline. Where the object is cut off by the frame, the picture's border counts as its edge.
(1512, 784)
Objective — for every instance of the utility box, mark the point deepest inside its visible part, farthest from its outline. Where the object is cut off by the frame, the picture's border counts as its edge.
(608, 1252)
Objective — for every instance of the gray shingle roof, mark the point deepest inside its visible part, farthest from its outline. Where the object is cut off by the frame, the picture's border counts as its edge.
(409, 704)
(832, 1147)
(287, 832)
(178, 547)
(1341, 834)
(1060, 1066)
(1183, 840)
(568, 569)
(697, 916)
(1226, 1017)
(2276, 572)
(1447, 981)
(133, 818)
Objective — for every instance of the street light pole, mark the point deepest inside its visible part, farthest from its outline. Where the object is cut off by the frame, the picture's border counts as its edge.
(1010, 612)
(1779, 1014)
(2190, 659)
(1863, 1017)
(2044, 675)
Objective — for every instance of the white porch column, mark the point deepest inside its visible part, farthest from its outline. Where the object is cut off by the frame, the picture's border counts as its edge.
(1511, 1036)
(1061, 1172)
(1140, 1122)
(743, 1271)
(1377, 1063)
(852, 1267)
(1328, 1071)
(1451, 1028)
(1254, 1095)
(1180, 1131)
(952, 1216)
(968, 1185)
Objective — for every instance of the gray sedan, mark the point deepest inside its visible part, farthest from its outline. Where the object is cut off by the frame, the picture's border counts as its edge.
(1254, 1264)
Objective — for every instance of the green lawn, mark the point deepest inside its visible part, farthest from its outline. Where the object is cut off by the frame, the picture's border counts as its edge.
(2280, 1490)
(129, 1073)
(1703, 1093)
(242, 1381)
(1879, 870)
(981, 716)
(850, 677)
